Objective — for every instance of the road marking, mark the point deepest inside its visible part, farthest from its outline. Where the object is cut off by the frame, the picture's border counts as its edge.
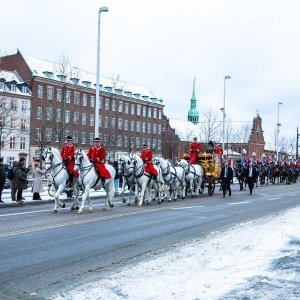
(186, 207)
(272, 199)
(237, 203)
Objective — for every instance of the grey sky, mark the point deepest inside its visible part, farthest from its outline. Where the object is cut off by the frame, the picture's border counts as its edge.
(164, 44)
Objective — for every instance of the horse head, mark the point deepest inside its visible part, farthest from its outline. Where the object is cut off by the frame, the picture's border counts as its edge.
(51, 158)
(78, 159)
(124, 165)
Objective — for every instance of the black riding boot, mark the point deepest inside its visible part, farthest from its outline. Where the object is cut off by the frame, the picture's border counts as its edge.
(35, 196)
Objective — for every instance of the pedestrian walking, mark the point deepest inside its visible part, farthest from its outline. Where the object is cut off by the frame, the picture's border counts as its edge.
(37, 187)
(251, 176)
(2, 179)
(12, 179)
(21, 182)
(226, 179)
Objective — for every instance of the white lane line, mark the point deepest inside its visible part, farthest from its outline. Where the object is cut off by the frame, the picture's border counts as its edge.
(237, 203)
(186, 207)
(272, 199)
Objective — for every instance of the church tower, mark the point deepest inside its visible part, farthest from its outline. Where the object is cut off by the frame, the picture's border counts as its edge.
(193, 115)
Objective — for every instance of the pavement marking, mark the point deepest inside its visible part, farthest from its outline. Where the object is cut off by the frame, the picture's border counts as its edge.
(272, 199)
(186, 207)
(237, 203)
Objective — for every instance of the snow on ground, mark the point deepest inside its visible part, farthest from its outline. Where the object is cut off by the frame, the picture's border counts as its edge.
(254, 260)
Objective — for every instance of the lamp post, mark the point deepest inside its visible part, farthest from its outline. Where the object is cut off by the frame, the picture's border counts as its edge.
(278, 125)
(97, 104)
(224, 114)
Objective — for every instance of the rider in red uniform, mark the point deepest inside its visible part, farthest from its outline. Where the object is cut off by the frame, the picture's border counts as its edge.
(195, 150)
(97, 154)
(146, 156)
(219, 150)
(67, 153)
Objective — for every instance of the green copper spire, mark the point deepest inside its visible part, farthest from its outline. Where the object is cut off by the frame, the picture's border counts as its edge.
(193, 115)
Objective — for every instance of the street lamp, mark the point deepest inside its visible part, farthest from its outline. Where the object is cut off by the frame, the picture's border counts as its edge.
(224, 113)
(278, 125)
(97, 104)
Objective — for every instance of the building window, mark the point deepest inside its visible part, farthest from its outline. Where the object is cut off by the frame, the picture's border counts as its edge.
(58, 95)
(84, 100)
(154, 113)
(40, 91)
(138, 109)
(154, 128)
(100, 102)
(100, 121)
(149, 128)
(137, 142)
(132, 109)
(125, 141)
(13, 104)
(144, 127)
(120, 124)
(48, 134)
(120, 106)
(131, 142)
(132, 126)
(126, 125)
(113, 105)
(149, 112)
(13, 122)
(68, 96)
(67, 116)
(113, 122)
(126, 108)
(92, 120)
(76, 117)
(24, 105)
(75, 135)
(119, 141)
(144, 111)
(159, 129)
(12, 143)
(50, 92)
(154, 144)
(158, 144)
(106, 104)
(92, 101)
(76, 98)
(23, 123)
(22, 143)
(58, 114)
(138, 126)
(49, 112)
(106, 122)
(38, 134)
(159, 114)
(91, 138)
(83, 119)
(83, 138)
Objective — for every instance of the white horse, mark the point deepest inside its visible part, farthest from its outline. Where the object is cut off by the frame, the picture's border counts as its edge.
(145, 181)
(173, 177)
(127, 177)
(60, 177)
(193, 176)
(89, 178)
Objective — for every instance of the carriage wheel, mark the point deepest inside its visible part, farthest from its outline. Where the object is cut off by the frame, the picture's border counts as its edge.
(211, 187)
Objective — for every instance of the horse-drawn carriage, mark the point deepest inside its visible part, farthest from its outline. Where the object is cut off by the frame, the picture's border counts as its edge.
(211, 164)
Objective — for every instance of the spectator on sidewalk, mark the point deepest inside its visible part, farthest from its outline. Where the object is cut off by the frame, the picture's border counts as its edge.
(13, 181)
(37, 187)
(2, 179)
(21, 182)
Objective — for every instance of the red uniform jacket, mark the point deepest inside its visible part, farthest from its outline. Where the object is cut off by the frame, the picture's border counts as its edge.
(146, 156)
(68, 152)
(219, 150)
(195, 150)
(97, 155)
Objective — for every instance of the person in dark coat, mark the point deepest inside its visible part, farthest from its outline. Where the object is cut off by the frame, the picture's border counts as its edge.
(2, 179)
(251, 176)
(13, 181)
(226, 179)
(21, 182)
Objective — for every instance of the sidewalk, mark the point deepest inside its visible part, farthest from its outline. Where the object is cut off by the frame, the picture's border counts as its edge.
(46, 198)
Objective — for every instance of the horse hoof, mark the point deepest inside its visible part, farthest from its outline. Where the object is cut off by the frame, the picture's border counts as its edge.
(159, 202)
(54, 211)
(90, 210)
(77, 208)
(72, 208)
(64, 205)
(79, 211)
(169, 200)
(104, 209)
(124, 200)
(111, 205)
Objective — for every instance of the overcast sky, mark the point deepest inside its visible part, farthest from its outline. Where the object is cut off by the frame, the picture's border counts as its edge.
(164, 44)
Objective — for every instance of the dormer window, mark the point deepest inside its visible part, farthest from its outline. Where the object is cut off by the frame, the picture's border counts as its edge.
(119, 91)
(145, 98)
(24, 89)
(62, 78)
(48, 74)
(1, 85)
(74, 80)
(13, 87)
(128, 93)
(153, 99)
(108, 89)
(87, 84)
(137, 95)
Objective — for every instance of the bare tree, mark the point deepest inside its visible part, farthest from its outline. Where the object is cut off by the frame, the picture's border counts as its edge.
(210, 127)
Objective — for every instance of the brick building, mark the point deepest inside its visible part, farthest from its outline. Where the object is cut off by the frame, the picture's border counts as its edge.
(63, 103)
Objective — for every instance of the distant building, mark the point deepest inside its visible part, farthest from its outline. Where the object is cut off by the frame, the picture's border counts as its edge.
(15, 107)
(63, 103)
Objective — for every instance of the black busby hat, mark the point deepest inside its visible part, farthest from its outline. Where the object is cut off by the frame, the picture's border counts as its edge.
(96, 139)
(145, 145)
(69, 138)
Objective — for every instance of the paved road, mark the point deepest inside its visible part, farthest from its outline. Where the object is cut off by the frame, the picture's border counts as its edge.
(42, 253)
